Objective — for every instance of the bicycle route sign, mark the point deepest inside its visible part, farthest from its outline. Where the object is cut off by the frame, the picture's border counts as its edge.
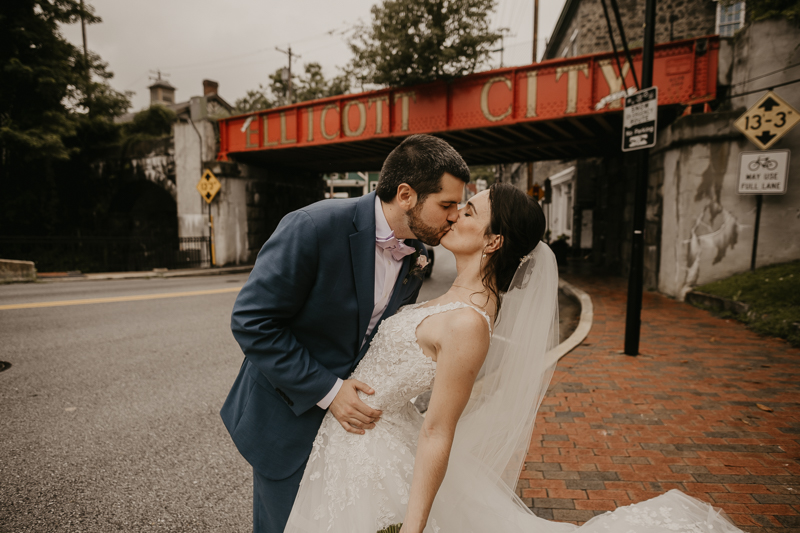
(763, 172)
(639, 120)
(767, 121)
(208, 186)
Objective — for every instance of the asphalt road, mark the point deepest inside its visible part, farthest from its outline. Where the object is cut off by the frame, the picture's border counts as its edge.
(109, 412)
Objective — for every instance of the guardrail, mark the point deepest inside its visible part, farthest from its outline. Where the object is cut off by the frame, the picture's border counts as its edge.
(107, 254)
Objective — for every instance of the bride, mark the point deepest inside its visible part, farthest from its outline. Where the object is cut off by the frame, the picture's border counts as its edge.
(486, 343)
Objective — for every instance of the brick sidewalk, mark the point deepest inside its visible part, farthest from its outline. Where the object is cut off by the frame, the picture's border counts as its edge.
(615, 429)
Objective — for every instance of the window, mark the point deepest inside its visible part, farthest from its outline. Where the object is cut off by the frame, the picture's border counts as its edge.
(730, 18)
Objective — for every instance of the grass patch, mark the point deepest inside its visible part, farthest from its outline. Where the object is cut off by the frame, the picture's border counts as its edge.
(773, 294)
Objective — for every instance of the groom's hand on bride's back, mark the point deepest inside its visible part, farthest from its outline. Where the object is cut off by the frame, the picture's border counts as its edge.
(354, 415)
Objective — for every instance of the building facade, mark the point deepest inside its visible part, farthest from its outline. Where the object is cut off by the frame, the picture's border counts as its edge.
(698, 228)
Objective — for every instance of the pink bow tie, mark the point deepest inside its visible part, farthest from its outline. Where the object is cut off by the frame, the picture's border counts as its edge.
(398, 249)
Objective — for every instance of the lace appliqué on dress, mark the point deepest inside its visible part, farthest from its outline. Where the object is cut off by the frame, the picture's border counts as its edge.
(379, 465)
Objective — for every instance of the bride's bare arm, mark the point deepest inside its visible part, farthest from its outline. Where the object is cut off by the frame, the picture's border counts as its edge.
(460, 342)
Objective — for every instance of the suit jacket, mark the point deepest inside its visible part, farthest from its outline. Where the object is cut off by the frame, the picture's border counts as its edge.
(300, 320)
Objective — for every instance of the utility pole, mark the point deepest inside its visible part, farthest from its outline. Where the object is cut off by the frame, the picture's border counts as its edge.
(85, 49)
(503, 32)
(633, 316)
(535, 55)
(535, 29)
(288, 80)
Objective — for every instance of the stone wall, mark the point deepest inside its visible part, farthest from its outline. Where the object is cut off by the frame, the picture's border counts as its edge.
(690, 18)
(707, 227)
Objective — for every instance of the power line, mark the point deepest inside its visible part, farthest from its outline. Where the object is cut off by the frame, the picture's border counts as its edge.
(765, 75)
(329, 33)
(218, 60)
(763, 89)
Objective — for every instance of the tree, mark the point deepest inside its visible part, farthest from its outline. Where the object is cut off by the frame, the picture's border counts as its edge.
(768, 9)
(56, 110)
(482, 172)
(311, 85)
(419, 41)
(254, 100)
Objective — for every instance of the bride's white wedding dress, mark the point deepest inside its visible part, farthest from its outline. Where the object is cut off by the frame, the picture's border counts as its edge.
(360, 483)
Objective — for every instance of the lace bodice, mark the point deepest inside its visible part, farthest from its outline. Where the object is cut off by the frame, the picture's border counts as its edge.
(395, 366)
(345, 468)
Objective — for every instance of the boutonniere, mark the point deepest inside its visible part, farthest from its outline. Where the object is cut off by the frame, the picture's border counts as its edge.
(418, 264)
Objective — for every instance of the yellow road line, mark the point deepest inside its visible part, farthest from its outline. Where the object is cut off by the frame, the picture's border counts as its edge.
(115, 299)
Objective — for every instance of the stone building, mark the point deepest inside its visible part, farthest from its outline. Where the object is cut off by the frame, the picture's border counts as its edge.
(175, 164)
(698, 229)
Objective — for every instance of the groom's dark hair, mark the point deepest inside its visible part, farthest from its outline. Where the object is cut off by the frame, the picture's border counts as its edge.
(420, 161)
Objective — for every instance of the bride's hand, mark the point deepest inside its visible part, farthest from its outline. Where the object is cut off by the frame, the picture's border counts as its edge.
(354, 415)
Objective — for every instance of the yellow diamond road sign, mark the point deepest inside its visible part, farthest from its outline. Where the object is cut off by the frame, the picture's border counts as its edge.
(768, 120)
(209, 186)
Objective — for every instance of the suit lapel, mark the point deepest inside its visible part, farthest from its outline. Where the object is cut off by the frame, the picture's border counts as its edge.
(362, 254)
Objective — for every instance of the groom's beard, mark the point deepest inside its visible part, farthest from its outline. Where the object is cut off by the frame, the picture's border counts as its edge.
(430, 235)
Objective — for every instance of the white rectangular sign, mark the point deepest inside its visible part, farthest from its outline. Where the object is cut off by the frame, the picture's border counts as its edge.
(639, 120)
(763, 172)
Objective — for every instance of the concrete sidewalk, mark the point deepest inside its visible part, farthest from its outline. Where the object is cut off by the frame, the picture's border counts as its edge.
(146, 274)
(710, 408)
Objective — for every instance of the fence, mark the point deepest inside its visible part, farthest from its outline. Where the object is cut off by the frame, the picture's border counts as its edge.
(107, 254)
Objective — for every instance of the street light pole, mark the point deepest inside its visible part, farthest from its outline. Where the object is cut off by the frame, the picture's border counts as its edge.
(633, 317)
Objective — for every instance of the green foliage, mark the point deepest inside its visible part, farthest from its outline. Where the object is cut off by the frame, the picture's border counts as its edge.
(311, 85)
(419, 41)
(482, 172)
(56, 115)
(254, 100)
(156, 121)
(771, 9)
(773, 293)
(46, 94)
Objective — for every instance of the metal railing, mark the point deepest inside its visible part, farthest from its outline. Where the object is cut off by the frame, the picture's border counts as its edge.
(107, 254)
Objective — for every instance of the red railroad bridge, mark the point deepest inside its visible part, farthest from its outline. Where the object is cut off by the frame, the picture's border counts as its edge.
(556, 109)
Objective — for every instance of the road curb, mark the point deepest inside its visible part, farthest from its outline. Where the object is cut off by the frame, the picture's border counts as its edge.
(716, 303)
(584, 323)
(185, 273)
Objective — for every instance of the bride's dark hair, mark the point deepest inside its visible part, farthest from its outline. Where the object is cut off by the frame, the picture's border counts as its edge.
(519, 219)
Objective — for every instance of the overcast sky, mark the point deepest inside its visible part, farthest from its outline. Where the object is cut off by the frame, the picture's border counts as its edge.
(233, 42)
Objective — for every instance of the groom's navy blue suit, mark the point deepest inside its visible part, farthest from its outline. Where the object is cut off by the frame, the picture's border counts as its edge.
(300, 320)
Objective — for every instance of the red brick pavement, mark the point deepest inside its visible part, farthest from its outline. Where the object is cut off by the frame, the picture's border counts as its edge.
(615, 429)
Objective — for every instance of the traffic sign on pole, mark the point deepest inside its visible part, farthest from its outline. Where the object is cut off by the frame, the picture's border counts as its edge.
(639, 120)
(763, 172)
(768, 120)
(208, 186)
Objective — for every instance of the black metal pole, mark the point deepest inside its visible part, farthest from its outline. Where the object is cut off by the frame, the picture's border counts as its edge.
(759, 200)
(634, 311)
(614, 45)
(210, 236)
(624, 40)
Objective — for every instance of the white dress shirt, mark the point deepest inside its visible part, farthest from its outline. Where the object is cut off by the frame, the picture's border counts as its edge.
(386, 271)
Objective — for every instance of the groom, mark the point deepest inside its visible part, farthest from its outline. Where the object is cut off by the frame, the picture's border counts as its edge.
(321, 285)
